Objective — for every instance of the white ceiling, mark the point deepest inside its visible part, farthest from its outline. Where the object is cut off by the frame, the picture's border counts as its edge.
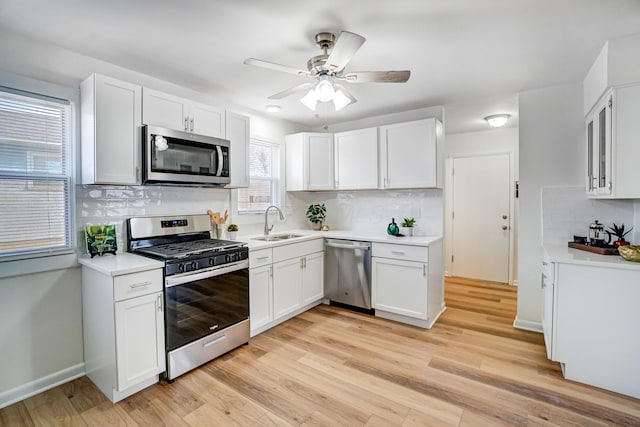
(473, 56)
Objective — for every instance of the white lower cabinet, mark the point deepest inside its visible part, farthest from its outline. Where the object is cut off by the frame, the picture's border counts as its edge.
(591, 324)
(407, 283)
(260, 296)
(284, 282)
(123, 328)
(139, 331)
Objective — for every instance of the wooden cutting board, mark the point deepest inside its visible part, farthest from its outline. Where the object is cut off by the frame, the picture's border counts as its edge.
(595, 249)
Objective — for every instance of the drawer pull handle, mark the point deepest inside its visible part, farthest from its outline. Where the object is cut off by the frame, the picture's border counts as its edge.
(398, 252)
(139, 285)
(262, 258)
(215, 340)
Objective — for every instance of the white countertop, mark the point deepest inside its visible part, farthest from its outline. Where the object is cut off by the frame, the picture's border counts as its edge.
(122, 263)
(565, 254)
(253, 244)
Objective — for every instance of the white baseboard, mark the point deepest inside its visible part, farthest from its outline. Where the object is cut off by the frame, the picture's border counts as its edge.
(32, 388)
(527, 325)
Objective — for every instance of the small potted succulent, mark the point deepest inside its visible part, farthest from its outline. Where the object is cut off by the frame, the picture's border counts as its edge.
(317, 214)
(407, 226)
(619, 232)
(233, 231)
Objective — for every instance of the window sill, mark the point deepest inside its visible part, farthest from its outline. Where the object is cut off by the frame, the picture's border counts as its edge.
(39, 264)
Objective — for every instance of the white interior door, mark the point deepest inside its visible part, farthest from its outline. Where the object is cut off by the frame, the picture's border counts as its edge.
(480, 219)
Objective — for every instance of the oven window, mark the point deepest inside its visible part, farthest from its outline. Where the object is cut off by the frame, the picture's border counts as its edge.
(196, 309)
(177, 156)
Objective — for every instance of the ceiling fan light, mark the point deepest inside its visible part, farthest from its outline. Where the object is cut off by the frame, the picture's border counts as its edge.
(340, 100)
(324, 90)
(497, 120)
(310, 100)
(272, 108)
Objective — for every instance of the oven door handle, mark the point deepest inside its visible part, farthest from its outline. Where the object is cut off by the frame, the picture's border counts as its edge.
(174, 281)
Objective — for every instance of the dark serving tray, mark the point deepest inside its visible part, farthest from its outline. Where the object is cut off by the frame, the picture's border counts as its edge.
(602, 250)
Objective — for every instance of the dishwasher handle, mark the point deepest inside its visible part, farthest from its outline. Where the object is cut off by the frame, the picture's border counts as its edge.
(344, 246)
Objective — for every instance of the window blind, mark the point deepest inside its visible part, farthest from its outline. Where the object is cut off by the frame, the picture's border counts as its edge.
(264, 178)
(35, 178)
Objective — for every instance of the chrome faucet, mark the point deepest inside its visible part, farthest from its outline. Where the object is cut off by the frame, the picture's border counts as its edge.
(268, 229)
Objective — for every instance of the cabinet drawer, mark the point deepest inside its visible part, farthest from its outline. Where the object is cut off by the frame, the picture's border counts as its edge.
(403, 252)
(260, 257)
(295, 250)
(137, 284)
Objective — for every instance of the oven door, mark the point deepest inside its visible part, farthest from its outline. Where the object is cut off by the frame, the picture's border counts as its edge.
(200, 304)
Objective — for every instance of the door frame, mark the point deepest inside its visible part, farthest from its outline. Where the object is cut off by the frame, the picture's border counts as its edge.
(448, 208)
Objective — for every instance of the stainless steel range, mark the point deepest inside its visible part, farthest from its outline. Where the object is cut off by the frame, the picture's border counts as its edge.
(206, 287)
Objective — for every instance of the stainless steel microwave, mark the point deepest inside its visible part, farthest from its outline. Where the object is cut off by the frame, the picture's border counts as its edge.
(175, 157)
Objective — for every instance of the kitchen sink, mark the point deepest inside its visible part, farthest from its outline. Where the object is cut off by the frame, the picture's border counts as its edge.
(277, 237)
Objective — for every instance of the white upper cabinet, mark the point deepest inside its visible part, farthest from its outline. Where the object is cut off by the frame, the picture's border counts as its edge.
(110, 128)
(410, 154)
(309, 161)
(612, 129)
(172, 112)
(237, 131)
(356, 159)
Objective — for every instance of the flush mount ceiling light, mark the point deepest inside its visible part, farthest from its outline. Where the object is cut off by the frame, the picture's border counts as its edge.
(272, 108)
(497, 120)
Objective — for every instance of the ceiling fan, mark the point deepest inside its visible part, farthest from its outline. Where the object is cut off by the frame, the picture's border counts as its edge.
(328, 71)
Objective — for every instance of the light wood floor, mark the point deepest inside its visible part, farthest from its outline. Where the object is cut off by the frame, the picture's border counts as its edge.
(335, 367)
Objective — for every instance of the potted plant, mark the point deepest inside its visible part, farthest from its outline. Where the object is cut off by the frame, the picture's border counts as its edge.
(619, 232)
(233, 231)
(316, 214)
(407, 226)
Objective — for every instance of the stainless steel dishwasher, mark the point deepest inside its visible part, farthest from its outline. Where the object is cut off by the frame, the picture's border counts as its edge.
(348, 273)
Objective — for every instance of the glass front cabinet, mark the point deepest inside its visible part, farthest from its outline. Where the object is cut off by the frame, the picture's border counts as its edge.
(599, 140)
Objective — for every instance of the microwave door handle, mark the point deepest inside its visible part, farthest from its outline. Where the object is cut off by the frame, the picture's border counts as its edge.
(220, 160)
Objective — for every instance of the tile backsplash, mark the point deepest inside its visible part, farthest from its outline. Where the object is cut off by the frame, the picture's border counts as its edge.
(373, 210)
(567, 211)
(114, 204)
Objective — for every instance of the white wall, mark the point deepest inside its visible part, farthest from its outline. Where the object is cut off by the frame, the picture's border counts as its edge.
(552, 153)
(473, 144)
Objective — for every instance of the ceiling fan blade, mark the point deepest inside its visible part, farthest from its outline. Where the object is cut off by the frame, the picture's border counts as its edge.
(343, 50)
(276, 67)
(377, 76)
(292, 90)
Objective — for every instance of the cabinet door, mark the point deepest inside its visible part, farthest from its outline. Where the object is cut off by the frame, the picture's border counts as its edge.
(599, 146)
(319, 162)
(113, 152)
(356, 159)
(164, 110)
(399, 287)
(547, 318)
(287, 284)
(313, 278)
(206, 120)
(409, 155)
(140, 351)
(237, 131)
(260, 296)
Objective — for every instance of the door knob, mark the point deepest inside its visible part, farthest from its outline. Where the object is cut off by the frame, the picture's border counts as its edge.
(504, 217)
(504, 227)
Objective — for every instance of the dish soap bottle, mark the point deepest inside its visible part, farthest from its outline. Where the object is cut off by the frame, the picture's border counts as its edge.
(393, 229)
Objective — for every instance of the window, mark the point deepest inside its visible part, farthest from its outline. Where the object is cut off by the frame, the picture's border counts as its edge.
(35, 174)
(264, 178)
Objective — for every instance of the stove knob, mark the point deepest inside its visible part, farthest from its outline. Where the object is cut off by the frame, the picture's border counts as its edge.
(212, 261)
(194, 265)
(181, 268)
(228, 258)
